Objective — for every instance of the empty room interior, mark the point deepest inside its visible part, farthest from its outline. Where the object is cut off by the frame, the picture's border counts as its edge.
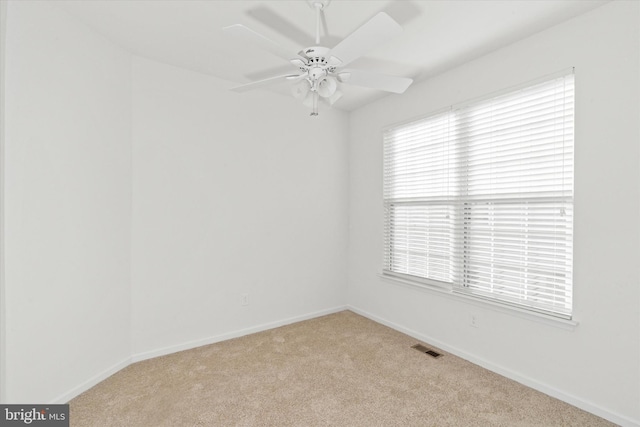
(251, 212)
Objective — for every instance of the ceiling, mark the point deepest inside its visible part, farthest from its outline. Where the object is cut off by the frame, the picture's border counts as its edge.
(438, 35)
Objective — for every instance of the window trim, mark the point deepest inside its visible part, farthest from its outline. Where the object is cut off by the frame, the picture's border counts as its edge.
(455, 290)
(536, 316)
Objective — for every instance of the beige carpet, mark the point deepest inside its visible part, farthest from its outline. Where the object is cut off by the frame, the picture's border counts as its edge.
(336, 370)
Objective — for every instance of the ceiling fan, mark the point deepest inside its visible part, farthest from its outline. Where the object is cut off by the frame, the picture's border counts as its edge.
(320, 70)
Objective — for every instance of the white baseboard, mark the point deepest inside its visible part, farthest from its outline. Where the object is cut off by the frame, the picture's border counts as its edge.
(523, 379)
(66, 397)
(233, 334)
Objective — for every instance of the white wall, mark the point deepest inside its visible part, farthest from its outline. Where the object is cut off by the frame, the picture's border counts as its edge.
(67, 204)
(232, 194)
(597, 365)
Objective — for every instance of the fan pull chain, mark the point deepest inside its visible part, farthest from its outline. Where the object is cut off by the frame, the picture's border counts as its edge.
(315, 104)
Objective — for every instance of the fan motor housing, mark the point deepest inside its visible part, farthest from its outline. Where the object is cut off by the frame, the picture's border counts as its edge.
(315, 51)
(316, 63)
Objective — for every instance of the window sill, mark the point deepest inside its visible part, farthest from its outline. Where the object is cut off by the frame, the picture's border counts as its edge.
(514, 311)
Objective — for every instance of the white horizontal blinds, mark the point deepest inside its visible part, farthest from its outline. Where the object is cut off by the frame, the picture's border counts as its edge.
(418, 188)
(519, 253)
(419, 240)
(519, 144)
(416, 160)
(516, 184)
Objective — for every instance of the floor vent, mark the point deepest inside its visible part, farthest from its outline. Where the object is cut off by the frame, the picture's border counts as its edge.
(426, 350)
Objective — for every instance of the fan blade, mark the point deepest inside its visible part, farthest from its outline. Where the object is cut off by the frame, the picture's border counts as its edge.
(265, 73)
(282, 25)
(247, 35)
(375, 81)
(376, 31)
(263, 83)
(335, 97)
(293, 77)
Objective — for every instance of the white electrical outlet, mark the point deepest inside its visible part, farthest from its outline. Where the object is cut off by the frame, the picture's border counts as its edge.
(244, 299)
(474, 321)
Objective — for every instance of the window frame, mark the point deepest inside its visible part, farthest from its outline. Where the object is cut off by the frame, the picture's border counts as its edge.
(457, 285)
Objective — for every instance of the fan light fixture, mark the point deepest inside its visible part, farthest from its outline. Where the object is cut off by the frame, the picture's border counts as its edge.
(327, 86)
(300, 89)
(320, 72)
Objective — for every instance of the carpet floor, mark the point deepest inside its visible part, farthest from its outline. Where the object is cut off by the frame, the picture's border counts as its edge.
(336, 370)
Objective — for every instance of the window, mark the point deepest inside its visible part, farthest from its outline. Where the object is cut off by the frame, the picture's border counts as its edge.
(479, 199)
